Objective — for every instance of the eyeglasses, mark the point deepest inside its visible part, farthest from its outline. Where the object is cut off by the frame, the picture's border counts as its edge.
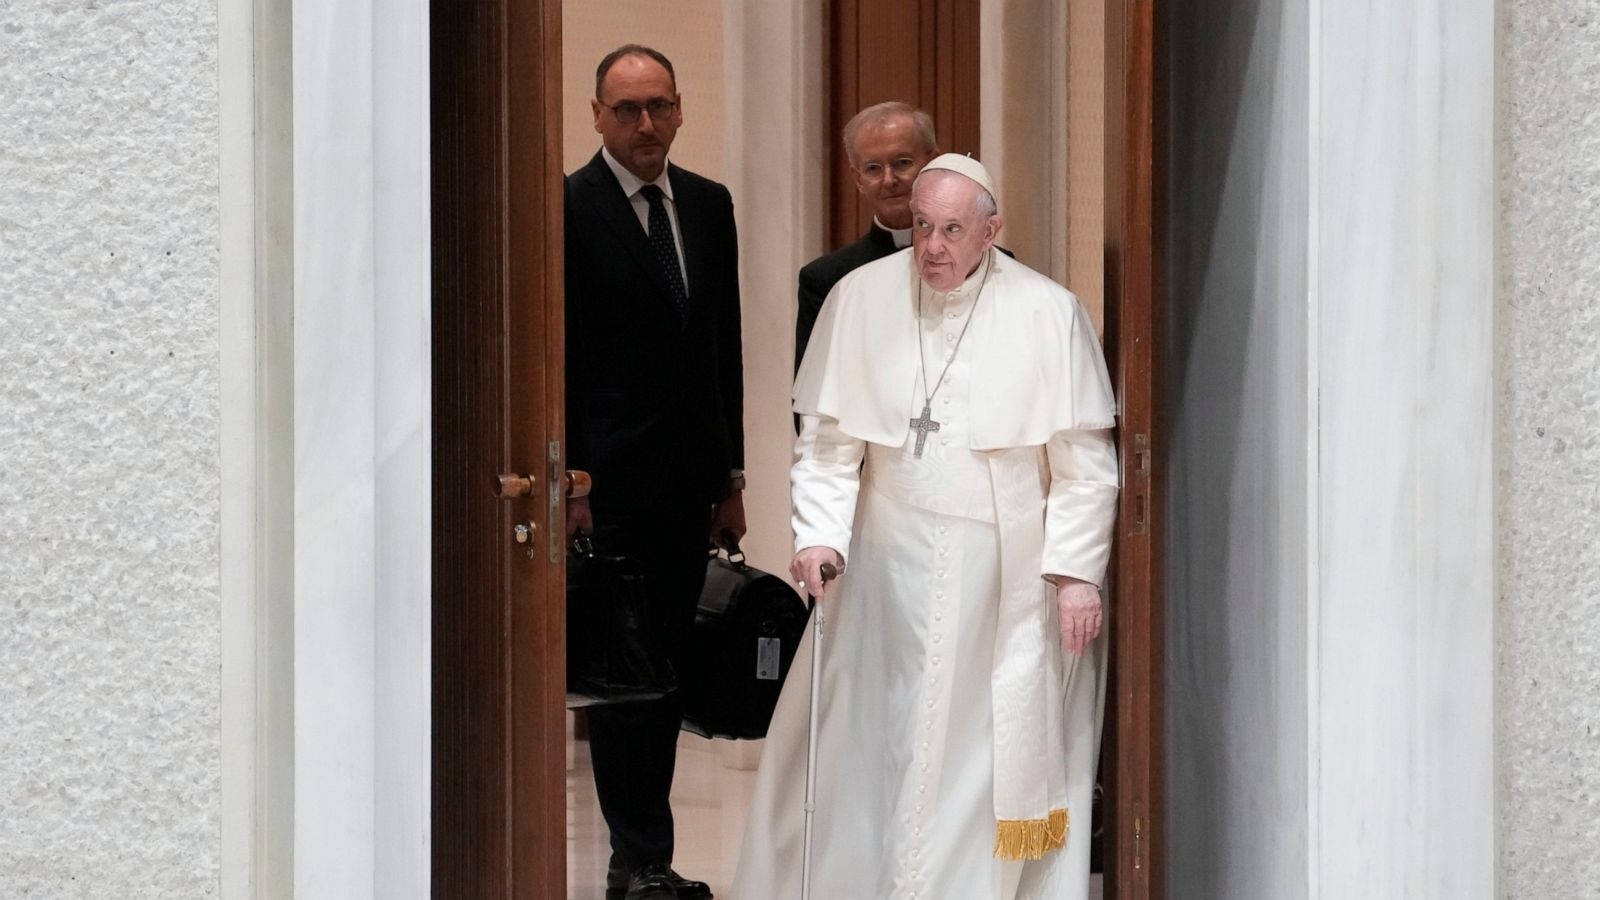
(900, 167)
(627, 112)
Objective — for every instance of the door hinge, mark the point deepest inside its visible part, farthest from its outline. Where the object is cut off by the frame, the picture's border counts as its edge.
(1138, 844)
(1140, 478)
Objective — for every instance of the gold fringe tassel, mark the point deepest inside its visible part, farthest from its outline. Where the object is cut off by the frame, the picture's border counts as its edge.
(1030, 838)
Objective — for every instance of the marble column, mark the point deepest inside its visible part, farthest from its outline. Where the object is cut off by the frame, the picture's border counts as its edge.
(1329, 365)
(1402, 592)
(361, 449)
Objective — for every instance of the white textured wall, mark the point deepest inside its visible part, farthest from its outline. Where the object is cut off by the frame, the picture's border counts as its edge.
(1234, 362)
(1548, 460)
(109, 607)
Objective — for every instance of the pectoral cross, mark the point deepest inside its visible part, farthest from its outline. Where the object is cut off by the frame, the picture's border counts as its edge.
(922, 426)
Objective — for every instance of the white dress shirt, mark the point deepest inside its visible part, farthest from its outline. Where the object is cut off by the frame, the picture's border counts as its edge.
(631, 184)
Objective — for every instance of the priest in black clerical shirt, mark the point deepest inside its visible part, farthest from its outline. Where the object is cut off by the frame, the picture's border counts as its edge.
(887, 144)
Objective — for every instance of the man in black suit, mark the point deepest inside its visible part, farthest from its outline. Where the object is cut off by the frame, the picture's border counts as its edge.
(887, 144)
(654, 412)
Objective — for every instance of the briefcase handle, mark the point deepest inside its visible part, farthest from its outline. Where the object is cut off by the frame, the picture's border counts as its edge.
(582, 545)
(728, 541)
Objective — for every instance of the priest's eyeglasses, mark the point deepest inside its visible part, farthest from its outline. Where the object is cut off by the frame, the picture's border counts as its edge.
(901, 168)
(660, 110)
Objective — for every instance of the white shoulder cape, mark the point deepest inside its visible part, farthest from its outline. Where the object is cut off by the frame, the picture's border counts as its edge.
(1037, 368)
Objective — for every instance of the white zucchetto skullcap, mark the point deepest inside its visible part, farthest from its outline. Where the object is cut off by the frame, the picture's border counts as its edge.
(962, 165)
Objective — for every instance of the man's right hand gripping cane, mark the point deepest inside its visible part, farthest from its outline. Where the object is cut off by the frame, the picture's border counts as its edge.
(806, 570)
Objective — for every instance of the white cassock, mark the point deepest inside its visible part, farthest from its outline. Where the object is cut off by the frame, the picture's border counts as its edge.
(957, 742)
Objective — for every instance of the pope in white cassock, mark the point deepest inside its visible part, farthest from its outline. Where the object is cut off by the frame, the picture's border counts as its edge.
(956, 453)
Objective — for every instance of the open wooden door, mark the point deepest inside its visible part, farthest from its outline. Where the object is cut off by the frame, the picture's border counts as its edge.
(1132, 771)
(499, 723)
(499, 807)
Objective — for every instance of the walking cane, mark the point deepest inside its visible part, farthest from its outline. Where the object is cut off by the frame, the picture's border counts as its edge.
(829, 572)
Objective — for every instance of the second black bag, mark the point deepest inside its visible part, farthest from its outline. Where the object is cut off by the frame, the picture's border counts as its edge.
(614, 655)
(745, 632)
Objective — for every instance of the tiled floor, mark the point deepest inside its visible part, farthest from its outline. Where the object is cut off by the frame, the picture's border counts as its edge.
(709, 799)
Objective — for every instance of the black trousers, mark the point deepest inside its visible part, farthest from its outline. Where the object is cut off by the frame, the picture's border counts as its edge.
(634, 746)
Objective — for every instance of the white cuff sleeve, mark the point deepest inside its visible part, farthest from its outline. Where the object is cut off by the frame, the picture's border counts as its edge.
(1082, 506)
(825, 481)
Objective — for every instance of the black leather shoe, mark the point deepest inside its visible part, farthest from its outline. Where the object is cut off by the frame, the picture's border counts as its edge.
(689, 890)
(652, 882)
(657, 882)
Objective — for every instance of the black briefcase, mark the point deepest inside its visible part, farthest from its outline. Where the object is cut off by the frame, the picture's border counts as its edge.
(614, 655)
(745, 633)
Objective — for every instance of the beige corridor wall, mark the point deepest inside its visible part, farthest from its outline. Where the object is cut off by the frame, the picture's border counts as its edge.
(689, 32)
(1548, 465)
(1042, 65)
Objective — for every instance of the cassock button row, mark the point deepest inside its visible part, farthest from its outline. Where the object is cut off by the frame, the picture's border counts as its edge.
(949, 339)
(939, 595)
(936, 660)
(930, 702)
(924, 767)
(938, 617)
(937, 639)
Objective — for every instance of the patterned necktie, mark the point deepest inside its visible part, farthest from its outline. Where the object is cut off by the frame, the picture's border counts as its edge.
(666, 250)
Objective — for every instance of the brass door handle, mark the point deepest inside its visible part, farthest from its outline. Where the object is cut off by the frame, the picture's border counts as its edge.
(579, 484)
(510, 487)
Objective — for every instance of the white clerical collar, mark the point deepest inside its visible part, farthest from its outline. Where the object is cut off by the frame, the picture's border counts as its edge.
(630, 182)
(902, 236)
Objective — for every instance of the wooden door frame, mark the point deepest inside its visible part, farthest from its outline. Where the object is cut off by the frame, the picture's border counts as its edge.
(524, 853)
(1135, 706)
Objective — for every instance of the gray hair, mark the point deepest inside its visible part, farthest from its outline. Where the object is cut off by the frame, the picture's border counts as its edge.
(985, 204)
(879, 113)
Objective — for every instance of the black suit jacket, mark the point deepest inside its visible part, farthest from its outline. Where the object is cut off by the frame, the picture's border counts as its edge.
(655, 398)
(819, 276)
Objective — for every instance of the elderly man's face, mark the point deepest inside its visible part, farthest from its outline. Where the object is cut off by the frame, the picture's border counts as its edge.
(636, 83)
(948, 234)
(888, 156)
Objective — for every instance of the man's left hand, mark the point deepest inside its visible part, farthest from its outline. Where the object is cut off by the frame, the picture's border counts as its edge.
(728, 517)
(1081, 609)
